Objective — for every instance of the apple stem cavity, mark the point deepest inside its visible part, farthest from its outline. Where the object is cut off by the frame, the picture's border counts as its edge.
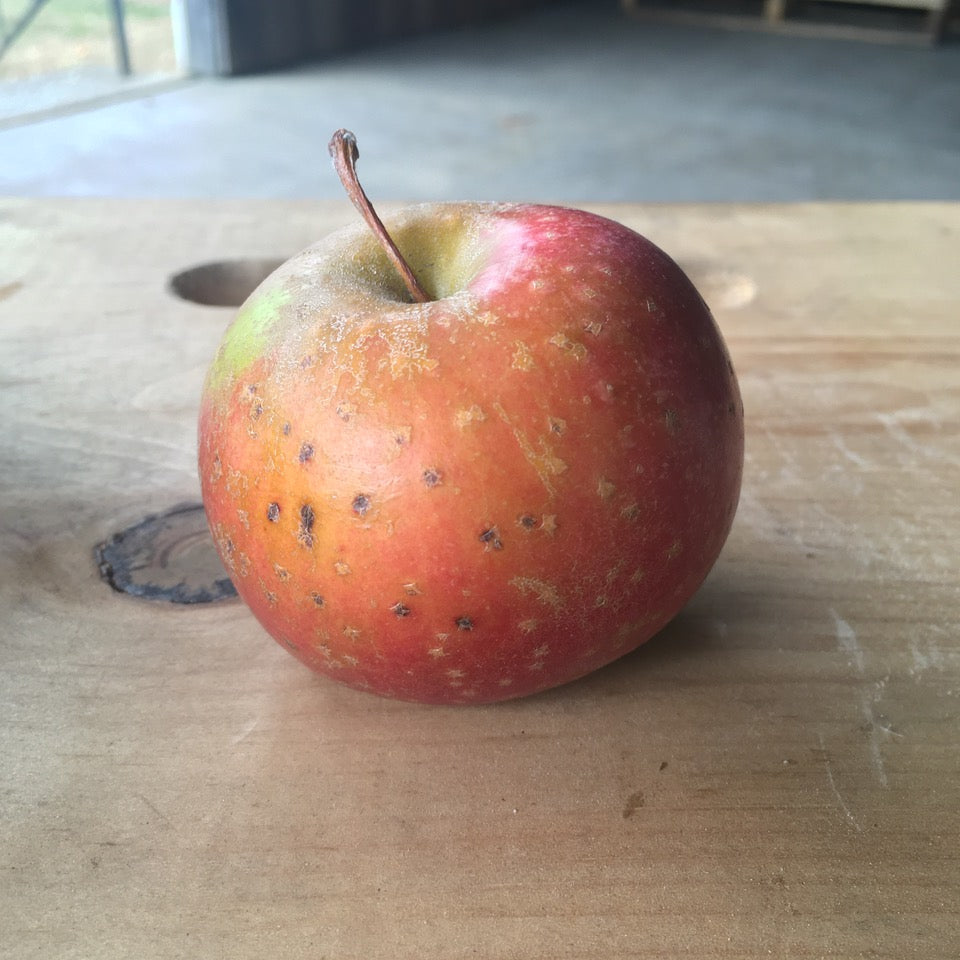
(343, 150)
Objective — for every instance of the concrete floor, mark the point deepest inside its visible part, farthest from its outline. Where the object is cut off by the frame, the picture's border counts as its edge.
(571, 103)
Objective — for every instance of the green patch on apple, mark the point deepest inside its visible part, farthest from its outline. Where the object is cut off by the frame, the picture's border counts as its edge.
(247, 337)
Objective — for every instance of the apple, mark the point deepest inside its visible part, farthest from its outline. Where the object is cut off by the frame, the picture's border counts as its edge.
(473, 454)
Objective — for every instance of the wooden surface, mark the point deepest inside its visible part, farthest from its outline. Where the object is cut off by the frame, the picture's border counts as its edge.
(777, 774)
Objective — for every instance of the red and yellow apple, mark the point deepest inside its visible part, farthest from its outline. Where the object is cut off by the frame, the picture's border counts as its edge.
(486, 494)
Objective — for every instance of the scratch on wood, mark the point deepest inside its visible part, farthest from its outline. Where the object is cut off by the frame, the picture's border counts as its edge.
(164, 819)
(849, 454)
(896, 430)
(833, 786)
(248, 728)
(847, 640)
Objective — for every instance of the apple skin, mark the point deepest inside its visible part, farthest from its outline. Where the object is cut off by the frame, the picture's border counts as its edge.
(482, 496)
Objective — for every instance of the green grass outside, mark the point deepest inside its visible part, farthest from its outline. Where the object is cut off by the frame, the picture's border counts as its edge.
(71, 33)
(79, 19)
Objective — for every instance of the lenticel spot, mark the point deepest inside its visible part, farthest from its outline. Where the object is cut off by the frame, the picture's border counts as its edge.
(305, 533)
(491, 537)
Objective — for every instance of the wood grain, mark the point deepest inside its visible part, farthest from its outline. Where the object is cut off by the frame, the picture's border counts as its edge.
(774, 775)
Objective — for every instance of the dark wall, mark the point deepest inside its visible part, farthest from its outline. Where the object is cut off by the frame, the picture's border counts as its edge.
(245, 36)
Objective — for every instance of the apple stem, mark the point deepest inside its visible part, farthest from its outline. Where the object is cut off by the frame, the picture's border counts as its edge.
(343, 149)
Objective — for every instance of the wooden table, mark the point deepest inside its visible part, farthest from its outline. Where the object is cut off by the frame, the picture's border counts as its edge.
(778, 774)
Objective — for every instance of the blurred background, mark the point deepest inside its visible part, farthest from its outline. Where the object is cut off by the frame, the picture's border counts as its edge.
(565, 100)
